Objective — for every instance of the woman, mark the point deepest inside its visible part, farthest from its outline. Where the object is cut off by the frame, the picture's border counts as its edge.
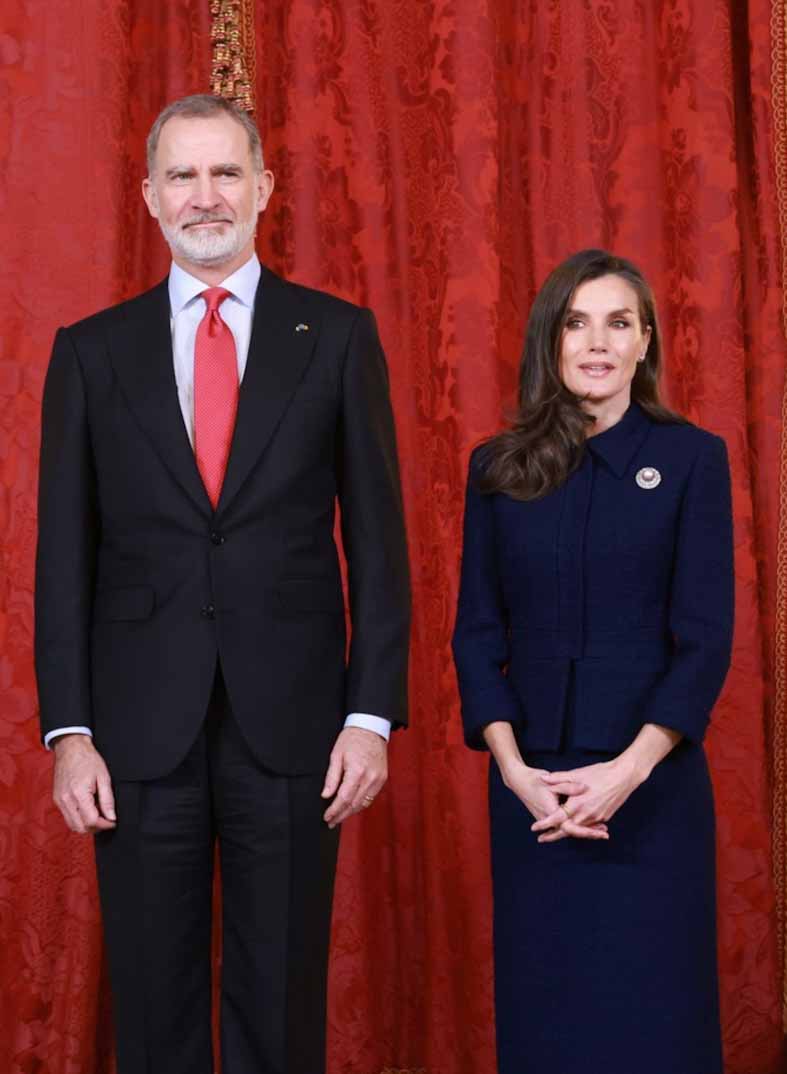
(592, 639)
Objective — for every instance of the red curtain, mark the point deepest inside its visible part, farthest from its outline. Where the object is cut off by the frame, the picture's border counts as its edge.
(434, 160)
(79, 84)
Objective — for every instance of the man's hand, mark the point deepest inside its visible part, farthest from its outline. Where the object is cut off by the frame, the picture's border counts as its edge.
(82, 789)
(357, 771)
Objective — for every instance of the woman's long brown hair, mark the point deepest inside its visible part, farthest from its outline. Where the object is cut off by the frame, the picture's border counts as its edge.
(546, 441)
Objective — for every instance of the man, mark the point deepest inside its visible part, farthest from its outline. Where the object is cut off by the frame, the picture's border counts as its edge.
(190, 637)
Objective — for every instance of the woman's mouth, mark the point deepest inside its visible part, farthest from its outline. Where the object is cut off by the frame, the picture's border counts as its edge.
(597, 369)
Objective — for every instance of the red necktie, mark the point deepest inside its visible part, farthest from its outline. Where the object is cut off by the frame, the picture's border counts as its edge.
(215, 393)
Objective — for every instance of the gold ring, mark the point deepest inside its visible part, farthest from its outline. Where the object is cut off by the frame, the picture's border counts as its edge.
(566, 810)
(368, 800)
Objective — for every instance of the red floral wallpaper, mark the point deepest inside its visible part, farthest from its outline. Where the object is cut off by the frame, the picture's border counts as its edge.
(434, 159)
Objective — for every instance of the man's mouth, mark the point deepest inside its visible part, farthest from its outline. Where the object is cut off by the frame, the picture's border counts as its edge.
(205, 223)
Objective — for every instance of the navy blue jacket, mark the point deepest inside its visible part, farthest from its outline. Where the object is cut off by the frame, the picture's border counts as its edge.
(629, 586)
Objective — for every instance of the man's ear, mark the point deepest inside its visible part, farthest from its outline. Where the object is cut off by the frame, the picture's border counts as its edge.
(265, 184)
(149, 194)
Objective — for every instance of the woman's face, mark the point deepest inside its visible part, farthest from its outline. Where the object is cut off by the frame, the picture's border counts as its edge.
(602, 341)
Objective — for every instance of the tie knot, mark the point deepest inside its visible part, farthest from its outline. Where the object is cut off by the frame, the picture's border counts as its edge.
(214, 296)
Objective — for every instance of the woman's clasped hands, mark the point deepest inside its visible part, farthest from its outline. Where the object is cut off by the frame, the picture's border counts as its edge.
(591, 797)
(542, 801)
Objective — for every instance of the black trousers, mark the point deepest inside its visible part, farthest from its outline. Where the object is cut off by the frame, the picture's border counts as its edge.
(277, 863)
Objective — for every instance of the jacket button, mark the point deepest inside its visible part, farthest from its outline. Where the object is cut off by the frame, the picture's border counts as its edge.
(217, 539)
(208, 611)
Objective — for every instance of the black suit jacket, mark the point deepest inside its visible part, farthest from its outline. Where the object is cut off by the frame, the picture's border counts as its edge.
(141, 587)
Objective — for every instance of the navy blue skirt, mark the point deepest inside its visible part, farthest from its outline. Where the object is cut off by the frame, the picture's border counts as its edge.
(605, 952)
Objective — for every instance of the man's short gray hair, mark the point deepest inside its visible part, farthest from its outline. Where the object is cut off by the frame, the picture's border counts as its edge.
(201, 106)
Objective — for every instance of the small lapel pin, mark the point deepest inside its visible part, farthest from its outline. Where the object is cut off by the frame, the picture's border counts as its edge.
(648, 477)
(301, 328)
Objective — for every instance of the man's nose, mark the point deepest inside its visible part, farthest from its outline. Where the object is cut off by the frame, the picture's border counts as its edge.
(205, 193)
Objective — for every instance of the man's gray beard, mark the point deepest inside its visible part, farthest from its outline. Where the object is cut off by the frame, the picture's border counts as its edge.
(210, 247)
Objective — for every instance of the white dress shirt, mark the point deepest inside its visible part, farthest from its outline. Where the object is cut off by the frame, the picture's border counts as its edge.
(187, 309)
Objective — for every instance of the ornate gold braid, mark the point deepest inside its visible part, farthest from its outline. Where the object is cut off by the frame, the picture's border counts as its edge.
(233, 67)
(779, 96)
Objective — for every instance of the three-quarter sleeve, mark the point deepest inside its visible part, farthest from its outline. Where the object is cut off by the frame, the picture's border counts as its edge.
(481, 641)
(701, 602)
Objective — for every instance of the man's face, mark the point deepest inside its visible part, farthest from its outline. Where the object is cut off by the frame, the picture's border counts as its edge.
(204, 190)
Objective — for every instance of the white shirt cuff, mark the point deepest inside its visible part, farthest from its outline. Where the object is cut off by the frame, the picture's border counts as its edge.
(363, 720)
(65, 731)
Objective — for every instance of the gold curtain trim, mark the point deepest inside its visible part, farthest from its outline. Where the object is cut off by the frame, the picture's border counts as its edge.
(233, 66)
(779, 92)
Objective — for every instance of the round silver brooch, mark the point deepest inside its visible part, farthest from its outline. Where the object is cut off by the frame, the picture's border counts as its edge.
(648, 477)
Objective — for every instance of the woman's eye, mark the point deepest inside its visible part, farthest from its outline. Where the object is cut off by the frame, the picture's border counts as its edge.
(573, 322)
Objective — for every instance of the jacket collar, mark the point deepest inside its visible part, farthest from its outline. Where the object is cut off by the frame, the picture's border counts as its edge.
(618, 445)
(279, 355)
(141, 353)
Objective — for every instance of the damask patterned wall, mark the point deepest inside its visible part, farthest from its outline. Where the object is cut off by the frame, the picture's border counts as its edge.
(433, 160)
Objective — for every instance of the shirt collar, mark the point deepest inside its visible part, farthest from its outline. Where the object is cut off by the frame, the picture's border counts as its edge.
(618, 445)
(242, 285)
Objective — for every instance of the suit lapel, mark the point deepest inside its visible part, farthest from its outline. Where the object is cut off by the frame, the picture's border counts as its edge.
(142, 359)
(279, 355)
